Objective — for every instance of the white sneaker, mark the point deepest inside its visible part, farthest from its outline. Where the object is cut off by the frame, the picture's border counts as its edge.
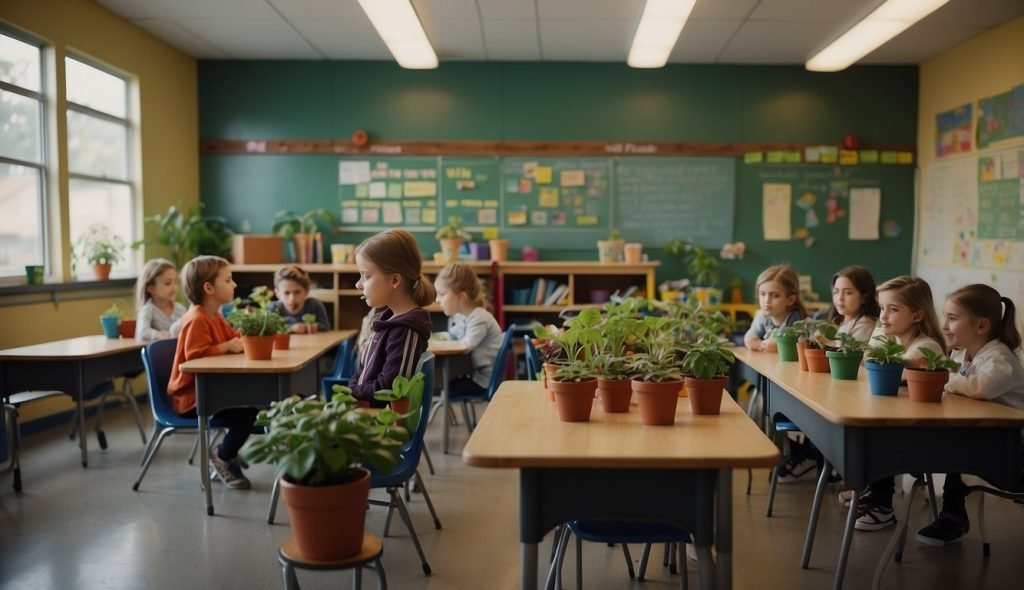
(794, 470)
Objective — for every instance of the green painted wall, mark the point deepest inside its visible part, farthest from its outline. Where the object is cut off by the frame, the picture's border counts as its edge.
(547, 101)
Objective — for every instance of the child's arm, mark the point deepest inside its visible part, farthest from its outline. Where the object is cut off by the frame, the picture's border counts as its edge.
(200, 341)
(457, 327)
(476, 330)
(987, 382)
(753, 339)
(144, 324)
(914, 358)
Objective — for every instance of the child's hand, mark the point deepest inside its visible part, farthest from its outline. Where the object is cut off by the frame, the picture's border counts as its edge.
(820, 340)
(916, 363)
(297, 328)
(161, 334)
(234, 345)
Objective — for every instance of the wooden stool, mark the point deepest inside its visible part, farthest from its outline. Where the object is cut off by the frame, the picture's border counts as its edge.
(371, 553)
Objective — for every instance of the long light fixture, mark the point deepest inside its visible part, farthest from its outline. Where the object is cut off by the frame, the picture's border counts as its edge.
(400, 29)
(885, 22)
(657, 33)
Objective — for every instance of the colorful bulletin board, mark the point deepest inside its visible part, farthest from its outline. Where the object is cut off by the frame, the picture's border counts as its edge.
(470, 189)
(380, 193)
(1001, 117)
(556, 193)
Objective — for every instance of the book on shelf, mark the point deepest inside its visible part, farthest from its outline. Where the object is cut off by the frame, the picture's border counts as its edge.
(539, 286)
(559, 293)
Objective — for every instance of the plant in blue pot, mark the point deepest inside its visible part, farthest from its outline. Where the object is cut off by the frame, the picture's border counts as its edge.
(110, 319)
(885, 365)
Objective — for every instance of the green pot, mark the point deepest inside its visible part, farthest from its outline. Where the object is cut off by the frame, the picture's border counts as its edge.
(787, 348)
(844, 366)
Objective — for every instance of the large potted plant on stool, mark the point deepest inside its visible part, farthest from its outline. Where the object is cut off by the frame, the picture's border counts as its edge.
(320, 449)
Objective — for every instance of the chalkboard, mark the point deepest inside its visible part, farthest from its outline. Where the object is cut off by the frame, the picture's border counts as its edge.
(661, 199)
(470, 189)
(378, 193)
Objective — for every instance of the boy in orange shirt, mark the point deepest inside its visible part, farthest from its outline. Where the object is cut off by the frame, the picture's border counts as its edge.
(204, 332)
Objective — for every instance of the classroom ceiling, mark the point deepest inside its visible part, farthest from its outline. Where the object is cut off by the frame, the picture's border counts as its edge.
(719, 31)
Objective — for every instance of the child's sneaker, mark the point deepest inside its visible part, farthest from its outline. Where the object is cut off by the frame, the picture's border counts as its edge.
(229, 472)
(795, 469)
(873, 517)
(942, 532)
(846, 496)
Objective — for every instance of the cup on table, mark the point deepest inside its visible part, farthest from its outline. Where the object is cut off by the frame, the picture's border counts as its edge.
(34, 274)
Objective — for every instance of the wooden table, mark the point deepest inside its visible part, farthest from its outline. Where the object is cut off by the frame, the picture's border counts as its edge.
(615, 468)
(75, 366)
(445, 350)
(230, 380)
(867, 437)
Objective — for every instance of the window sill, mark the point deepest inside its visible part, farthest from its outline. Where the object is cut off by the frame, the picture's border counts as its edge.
(57, 292)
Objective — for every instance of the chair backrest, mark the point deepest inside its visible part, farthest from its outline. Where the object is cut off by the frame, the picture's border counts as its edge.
(157, 358)
(413, 449)
(3, 433)
(345, 361)
(500, 361)
(532, 358)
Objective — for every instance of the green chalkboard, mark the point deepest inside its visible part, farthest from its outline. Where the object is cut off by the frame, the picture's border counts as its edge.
(378, 193)
(470, 189)
(661, 199)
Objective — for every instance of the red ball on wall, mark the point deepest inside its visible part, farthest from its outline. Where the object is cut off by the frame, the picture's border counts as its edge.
(359, 137)
(851, 142)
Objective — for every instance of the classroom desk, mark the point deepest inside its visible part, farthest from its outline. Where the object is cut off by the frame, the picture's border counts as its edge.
(74, 366)
(230, 380)
(445, 350)
(615, 468)
(867, 437)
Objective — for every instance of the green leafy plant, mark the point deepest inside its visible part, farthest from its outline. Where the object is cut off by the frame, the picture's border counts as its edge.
(807, 328)
(701, 265)
(453, 230)
(287, 223)
(887, 352)
(614, 236)
(578, 341)
(848, 345)
(114, 311)
(786, 332)
(98, 245)
(618, 332)
(187, 233)
(659, 359)
(935, 361)
(708, 358)
(317, 443)
(260, 321)
(308, 319)
(261, 296)
(404, 388)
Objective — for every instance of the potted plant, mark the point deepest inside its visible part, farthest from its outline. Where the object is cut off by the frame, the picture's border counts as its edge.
(110, 319)
(657, 376)
(499, 248)
(258, 326)
(310, 321)
(736, 290)
(612, 249)
(575, 382)
(703, 268)
(806, 328)
(100, 248)
(844, 362)
(926, 384)
(545, 340)
(187, 233)
(283, 339)
(403, 393)
(707, 365)
(885, 365)
(321, 450)
(451, 237)
(613, 381)
(786, 339)
(300, 228)
(814, 350)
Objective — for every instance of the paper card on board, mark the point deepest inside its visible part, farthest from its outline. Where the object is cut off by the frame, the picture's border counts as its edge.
(776, 202)
(544, 174)
(548, 197)
(420, 188)
(392, 212)
(370, 216)
(378, 190)
(572, 178)
(353, 172)
(429, 216)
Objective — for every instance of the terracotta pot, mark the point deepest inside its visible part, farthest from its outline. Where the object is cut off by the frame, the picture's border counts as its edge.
(615, 395)
(705, 395)
(658, 401)
(549, 370)
(312, 328)
(101, 271)
(328, 521)
(817, 362)
(450, 249)
(801, 356)
(575, 399)
(302, 251)
(126, 328)
(736, 295)
(499, 250)
(258, 348)
(282, 341)
(634, 253)
(925, 386)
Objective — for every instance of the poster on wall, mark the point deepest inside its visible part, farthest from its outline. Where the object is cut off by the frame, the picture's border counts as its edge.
(953, 131)
(1001, 116)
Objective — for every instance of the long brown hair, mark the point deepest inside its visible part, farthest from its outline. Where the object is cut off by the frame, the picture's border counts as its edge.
(783, 275)
(461, 278)
(395, 252)
(147, 278)
(199, 271)
(917, 295)
(865, 285)
(985, 302)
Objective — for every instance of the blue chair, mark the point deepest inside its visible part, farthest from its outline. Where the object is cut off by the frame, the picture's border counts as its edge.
(12, 438)
(157, 358)
(533, 366)
(344, 368)
(497, 376)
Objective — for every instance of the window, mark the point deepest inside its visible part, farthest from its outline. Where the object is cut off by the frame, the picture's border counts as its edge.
(100, 188)
(22, 155)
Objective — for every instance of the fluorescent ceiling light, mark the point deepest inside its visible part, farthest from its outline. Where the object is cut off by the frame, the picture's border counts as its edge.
(888, 20)
(400, 29)
(657, 33)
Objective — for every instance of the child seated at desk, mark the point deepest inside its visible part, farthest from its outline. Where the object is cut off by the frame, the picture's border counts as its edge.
(980, 326)
(204, 332)
(159, 313)
(291, 287)
(778, 295)
(462, 299)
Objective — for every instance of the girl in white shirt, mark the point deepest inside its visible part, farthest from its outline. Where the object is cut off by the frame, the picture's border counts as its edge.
(980, 326)
(854, 304)
(462, 299)
(159, 313)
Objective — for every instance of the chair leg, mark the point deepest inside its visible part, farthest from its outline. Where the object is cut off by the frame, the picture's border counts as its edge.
(15, 448)
(396, 499)
(405, 487)
(664, 556)
(149, 460)
(556, 549)
(683, 569)
(644, 556)
(750, 479)
(129, 393)
(555, 538)
(357, 577)
(774, 479)
(465, 416)
(195, 447)
(149, 446)
(985, 548)
(383, 579)
(629, 561)
(426, 497)
(274, 493)
(812, 523)
(670, 550)
(931, 496)
(563, 545)
(454, 420)
(472, 411)
(579, 563)
(430, 464)
(387, 520)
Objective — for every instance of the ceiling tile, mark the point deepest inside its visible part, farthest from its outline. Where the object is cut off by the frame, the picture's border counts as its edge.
(336, 9)
(456, 39)
(628, 10)
(173, 34)
(503, 9)
(233, 9)
(511, 39)
(833, 11)
(343, 39)
(920, 43)
(585, 40)
(722, 8)
(702, 40)
(252, 38)
(977, 13)
(133, 9)
(763, 42)
(454, 9)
